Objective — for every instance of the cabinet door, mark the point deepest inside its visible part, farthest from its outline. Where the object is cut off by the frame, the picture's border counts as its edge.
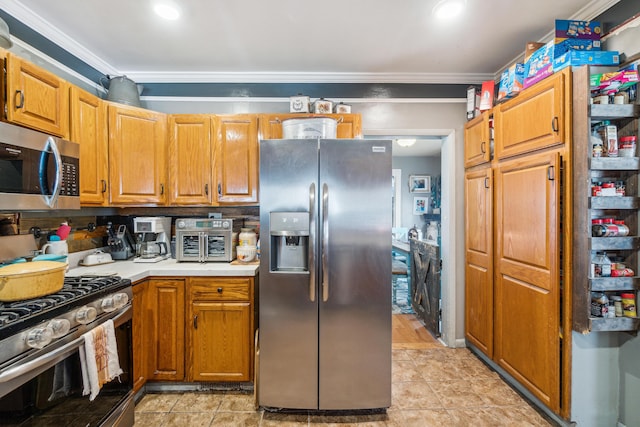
(349, 125)
(236, 158)
(479, 259)
(534, 119)
(221, 341)
(527, 287)
(89, 129)
(139, 335)
(190, 159)
(36, 98)
(137, 155)
(165, 301)
(477, 143)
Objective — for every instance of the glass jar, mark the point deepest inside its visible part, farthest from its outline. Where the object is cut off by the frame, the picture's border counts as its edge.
(627, 146)
(247, 237)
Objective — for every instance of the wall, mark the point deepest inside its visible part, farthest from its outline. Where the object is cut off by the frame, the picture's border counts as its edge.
(414, 166)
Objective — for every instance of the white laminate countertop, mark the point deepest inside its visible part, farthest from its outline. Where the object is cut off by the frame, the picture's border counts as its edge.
(169, 267)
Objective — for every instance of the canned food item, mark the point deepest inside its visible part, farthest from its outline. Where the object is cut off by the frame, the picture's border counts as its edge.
(620, 188)
(608, 189)
(627, 146)
(628, 304)
(623, 230)
(617, 305)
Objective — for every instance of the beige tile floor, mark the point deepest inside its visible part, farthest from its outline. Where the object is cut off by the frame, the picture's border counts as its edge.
(431, 386)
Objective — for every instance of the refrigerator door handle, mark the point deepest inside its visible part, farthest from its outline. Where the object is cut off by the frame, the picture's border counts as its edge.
(312, 243)
(325, 242)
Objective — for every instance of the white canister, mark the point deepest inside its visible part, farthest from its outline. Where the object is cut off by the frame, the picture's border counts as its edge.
(299, 104)
(247, 237)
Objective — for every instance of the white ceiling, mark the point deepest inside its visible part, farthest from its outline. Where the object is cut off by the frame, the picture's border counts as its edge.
(296, 41)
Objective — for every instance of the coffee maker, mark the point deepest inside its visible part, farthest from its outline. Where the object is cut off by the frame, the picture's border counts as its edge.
(152, 238)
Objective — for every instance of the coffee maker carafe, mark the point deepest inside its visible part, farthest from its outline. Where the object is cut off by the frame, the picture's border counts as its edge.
(152, 238)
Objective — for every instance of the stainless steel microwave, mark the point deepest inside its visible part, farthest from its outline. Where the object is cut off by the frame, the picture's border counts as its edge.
(37, 171)
(205, 239)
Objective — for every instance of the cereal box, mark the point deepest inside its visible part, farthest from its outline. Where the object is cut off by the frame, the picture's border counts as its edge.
(539, 65)
(580, 57)
(511, 81)
(570, 29)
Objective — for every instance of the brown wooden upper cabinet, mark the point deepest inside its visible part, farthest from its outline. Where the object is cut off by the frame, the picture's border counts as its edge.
(36, 98)
(89, 129)
(137, 156)
(236, 158)
(349, 125)
(477, 141)
(536, 118)
(190, 159)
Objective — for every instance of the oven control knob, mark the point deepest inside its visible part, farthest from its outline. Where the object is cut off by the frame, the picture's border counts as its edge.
(60, 327)
(180, 224)
(120, 299)
(86, 315)
(39, 337)
(225, 224)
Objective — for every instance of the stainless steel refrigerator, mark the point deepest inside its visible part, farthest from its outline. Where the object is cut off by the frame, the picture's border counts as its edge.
(325, 274)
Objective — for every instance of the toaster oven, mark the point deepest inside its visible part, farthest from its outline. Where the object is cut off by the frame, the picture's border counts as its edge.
(205, 240)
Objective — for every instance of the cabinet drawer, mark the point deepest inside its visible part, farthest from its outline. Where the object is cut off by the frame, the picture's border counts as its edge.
(220, 289)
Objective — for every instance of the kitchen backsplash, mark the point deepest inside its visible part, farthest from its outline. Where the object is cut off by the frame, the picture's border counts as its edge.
(89, 226)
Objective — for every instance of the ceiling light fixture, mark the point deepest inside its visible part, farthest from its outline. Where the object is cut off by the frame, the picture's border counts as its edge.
(167, 10)
(448, 9)
(405, 142)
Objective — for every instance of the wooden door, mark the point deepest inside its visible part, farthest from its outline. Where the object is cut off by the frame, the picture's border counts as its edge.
(36, 98)
(349, 125)
(527, 285)
(190, 159)
(221, 341)
(477, 143)
(534, 119)
(478, 192)
(89, 129)
(425, 283)
(166, 351)
(137, 155)
(139, 335)
(236, 158)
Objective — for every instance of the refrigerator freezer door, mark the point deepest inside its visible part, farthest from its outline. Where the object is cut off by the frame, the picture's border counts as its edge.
(355, 273)
(288, 314)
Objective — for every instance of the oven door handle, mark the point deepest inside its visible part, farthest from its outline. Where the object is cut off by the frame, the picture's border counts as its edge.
(57, 354)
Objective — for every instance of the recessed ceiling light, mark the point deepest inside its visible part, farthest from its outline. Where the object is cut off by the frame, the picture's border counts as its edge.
(448, 9)
(167, 10)
(406, 142)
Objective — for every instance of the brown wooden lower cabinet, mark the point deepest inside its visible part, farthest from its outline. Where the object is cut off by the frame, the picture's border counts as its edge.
(138, 335)
(165, 331)
(193, 329)
(527, 273)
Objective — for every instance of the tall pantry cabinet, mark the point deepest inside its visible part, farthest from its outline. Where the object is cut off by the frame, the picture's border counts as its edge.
(513, 218)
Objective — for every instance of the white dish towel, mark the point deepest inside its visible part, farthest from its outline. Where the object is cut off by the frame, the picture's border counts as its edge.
(99, 359)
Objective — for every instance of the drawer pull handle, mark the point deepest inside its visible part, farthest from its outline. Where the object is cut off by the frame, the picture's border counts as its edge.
(219, 290)
(195, 322)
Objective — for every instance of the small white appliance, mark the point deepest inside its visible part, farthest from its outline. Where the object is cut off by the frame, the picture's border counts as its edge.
(152, 238)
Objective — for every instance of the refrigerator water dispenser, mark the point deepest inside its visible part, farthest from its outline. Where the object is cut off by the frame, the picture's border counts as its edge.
(289, 233)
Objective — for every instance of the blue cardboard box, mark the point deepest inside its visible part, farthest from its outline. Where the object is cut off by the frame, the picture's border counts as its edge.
(572, 29)
(581, 57)
(539, 65)
(575, 44)
(511, 81)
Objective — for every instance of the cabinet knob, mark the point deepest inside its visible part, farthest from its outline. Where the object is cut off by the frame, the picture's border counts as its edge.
(219, 290)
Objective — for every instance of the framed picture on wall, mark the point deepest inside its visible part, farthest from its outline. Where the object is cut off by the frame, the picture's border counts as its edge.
(420, 183)
(420, 205)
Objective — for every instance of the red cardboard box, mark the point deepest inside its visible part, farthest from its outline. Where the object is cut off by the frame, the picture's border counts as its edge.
(487, 94)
